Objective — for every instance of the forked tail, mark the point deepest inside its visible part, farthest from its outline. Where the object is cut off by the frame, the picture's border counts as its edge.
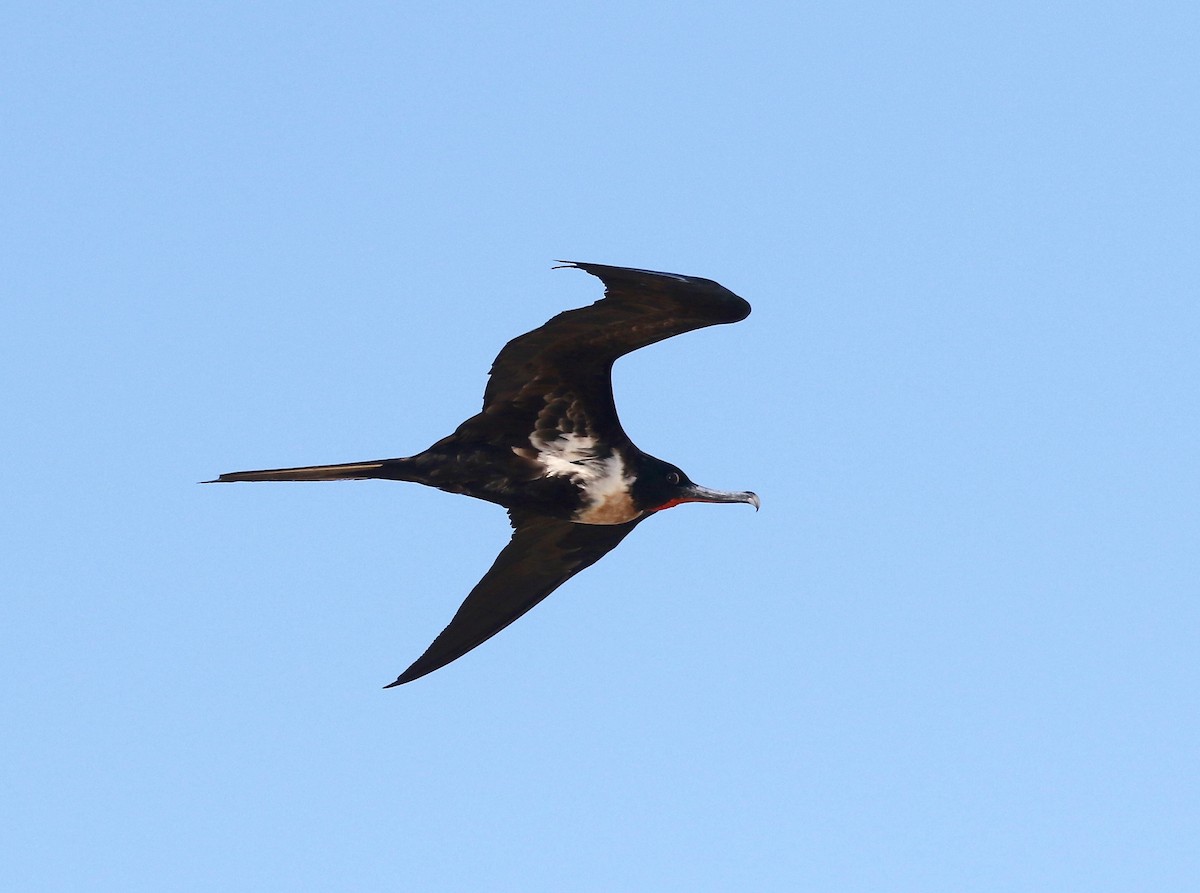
(351, 471)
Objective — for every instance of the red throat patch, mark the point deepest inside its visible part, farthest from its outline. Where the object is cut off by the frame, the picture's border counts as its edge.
(670, 504)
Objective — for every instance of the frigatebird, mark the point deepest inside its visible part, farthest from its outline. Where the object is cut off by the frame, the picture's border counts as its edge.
(548, 446)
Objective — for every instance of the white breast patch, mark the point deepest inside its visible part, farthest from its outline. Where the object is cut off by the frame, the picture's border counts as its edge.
(603, 479)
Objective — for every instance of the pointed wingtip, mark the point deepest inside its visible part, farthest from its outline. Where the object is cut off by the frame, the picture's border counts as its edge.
(419, 669)
(408, 676)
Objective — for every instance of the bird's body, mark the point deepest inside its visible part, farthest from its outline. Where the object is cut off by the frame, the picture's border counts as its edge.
(548, 446)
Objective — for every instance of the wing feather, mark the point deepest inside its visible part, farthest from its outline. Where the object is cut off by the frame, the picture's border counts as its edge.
(639, 308)
(571, 356)
(542, 555)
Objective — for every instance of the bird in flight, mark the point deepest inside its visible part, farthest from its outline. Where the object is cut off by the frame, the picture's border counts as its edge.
(548, 446)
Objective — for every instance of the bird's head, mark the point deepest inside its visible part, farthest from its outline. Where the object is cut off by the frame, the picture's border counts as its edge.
(660, 485)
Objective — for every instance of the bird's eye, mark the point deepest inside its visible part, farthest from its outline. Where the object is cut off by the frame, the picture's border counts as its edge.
(673, 477)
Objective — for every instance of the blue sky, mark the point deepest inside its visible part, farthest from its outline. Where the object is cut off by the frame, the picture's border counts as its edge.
(956, 650)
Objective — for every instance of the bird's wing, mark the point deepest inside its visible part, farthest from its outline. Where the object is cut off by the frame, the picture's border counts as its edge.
(543, 554)
(571, 356)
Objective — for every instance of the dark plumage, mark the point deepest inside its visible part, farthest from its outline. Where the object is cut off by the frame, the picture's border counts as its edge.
(548, 446)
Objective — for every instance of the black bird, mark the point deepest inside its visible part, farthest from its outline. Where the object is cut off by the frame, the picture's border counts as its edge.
(548, 446)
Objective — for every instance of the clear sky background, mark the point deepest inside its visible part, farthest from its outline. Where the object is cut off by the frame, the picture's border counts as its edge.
(957, 648)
